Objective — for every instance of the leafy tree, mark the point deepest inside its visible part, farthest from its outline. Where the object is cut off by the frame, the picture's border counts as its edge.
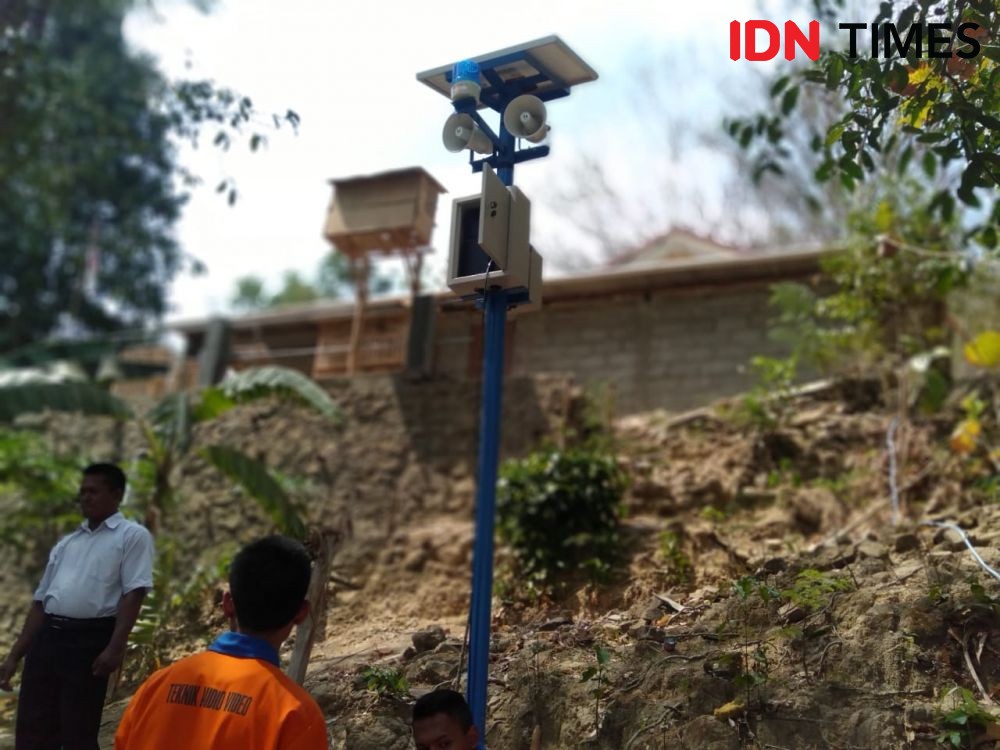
(90, 186)
(38, 487)
(332, 281)
(249, 293)
(294, 289)
(935, 120)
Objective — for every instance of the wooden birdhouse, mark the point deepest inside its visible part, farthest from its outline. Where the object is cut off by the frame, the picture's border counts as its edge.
(389, 213)
(386, 212)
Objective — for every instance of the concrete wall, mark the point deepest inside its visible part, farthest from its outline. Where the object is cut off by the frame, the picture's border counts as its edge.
(671, 349)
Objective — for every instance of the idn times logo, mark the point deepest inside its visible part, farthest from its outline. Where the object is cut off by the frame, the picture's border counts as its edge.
(760, 40)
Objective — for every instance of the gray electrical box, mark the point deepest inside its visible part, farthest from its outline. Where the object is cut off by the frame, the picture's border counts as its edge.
(489, 238)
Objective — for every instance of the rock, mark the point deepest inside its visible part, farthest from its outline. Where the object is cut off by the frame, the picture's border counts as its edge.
(378, 733)
(704, 593)
(829, 556)
(791, 612)
(707, 732)
(884, 616)
(428, 639)
(415, 560)
(949, 539)
(921, 715)
(814, 508)
(774, 565)
(653, 611)
(923, 620)
(870, 549)
(908, 569)
(448, 646)
(555, 623)
(432, 669)
(906, 542)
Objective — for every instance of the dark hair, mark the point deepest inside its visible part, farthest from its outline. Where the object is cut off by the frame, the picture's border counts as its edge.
(444, 701)
(111, 474)
(268, 581)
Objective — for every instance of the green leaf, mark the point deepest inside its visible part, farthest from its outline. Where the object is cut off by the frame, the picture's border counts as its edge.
(212, 403)
(834, 133)
(824, 171)
(929, 164)
(603, 655)
(778, 86)
(171, 420)
(260, 382)
(834, 71)
(906, 17)
(966, 193)
(884, 216)
(72, 396)
(253, 476)
(850, 167)
(905, 158)
(789, 100)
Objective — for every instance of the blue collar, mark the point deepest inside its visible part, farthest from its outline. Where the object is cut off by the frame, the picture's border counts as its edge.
(245, 647)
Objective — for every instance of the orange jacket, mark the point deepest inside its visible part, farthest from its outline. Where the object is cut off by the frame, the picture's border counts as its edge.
(222, 699)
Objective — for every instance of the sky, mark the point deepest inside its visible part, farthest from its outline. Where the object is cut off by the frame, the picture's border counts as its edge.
(349, 71)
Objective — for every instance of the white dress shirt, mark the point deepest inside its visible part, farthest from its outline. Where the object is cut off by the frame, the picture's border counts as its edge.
(89, 571)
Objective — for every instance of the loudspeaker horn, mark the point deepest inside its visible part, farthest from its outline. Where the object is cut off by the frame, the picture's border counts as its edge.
(460, 131)
(525, 118)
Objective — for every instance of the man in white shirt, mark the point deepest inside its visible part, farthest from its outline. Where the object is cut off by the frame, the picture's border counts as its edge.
(78, 625)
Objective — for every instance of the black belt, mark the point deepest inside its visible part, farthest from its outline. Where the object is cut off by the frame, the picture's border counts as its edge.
(74, 623)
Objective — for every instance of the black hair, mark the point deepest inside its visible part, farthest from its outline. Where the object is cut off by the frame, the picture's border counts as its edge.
(111, 474)
(444, 701)
(268, 581)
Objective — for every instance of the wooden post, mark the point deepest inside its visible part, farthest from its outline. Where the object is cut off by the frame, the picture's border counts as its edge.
(359, 267)
(414, 260)
(305, 634)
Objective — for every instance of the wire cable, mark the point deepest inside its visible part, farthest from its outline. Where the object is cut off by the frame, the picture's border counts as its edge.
(893, 485)
(965, 538)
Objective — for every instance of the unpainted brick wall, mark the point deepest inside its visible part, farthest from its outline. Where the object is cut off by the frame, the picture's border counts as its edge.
(674, 349)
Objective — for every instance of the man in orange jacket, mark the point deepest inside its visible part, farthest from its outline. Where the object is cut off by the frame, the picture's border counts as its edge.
(235, 695)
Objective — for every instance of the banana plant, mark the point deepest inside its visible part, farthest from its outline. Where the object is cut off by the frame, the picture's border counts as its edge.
(167, 431)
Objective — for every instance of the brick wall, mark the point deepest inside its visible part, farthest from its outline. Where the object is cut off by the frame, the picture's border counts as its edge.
(673, 349)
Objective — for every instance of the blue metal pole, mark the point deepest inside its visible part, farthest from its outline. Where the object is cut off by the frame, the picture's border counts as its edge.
(480, 611)
(482, 557)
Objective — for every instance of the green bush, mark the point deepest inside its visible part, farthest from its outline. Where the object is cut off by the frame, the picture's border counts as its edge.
(559, 511)
(386, 681)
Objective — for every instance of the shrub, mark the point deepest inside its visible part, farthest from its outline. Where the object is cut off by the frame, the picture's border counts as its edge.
(385, 681)
(559, 510)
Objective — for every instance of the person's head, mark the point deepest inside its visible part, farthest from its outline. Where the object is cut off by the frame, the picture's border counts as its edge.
(101, 490)
(442, 720)
(268, 580)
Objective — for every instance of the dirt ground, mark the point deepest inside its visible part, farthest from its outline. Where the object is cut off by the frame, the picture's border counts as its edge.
(853, 632)
(765, 599)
